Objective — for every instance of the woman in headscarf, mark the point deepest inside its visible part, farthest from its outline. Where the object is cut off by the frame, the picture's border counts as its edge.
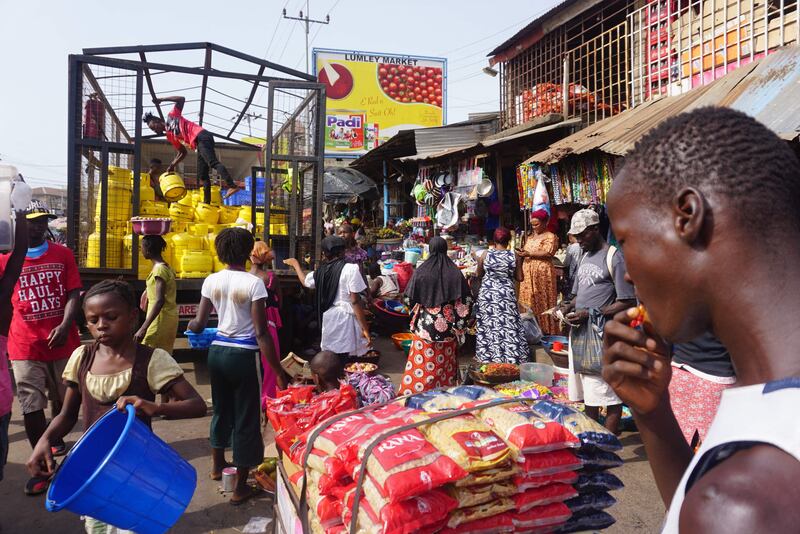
(338, 285)
(500, 337)
(538, 290)
(261, 259)
(442, 304)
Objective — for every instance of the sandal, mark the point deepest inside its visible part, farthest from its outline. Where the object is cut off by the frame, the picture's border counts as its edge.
(236, 502)
(36, 486)
(58, 450)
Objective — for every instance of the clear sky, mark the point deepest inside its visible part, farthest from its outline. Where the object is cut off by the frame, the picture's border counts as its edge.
(38, 35)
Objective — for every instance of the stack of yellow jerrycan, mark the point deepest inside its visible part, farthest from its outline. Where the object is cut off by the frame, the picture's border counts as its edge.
(228, 214)
(182, 210)
(196, 261)
(206, 213)
(118, 213)
(127, 255)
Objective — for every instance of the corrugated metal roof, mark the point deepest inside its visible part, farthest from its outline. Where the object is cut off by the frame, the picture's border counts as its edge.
(432, 140)
(439, 153)
(535, 22)
(768, 90)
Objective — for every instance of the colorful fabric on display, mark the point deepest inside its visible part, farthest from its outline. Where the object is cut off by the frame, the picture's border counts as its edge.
(583, 181)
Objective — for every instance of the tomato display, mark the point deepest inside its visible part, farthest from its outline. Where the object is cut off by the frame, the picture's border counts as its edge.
(343, 85)
(405, 83)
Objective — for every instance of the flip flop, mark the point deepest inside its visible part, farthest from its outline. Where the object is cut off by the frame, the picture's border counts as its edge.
(236, 502)
(36, 486)
(58, 450)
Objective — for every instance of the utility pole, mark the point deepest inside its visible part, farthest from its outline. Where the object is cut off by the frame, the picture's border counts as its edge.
(308, 21)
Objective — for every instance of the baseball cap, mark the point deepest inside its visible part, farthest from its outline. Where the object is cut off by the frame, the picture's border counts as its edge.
(582, 220)
(37, 209)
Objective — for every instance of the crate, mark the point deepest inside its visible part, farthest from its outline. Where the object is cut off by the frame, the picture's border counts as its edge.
(261, 184)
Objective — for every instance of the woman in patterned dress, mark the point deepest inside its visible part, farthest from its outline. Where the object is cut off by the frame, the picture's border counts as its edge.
(442, 304)
(538, 290)
(500, 337)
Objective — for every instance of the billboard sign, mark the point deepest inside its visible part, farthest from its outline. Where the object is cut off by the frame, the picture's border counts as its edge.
(371, 96)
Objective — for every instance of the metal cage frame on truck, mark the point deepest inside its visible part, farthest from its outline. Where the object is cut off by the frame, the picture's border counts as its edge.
(116, 80)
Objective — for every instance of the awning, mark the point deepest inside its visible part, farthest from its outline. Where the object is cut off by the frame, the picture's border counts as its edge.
(768, 90)
(343, 185)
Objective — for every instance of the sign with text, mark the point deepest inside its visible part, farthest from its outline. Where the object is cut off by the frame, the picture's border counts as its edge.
(371, 96)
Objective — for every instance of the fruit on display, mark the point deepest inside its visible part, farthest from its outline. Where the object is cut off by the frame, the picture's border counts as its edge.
(387, 233)
(411, 84)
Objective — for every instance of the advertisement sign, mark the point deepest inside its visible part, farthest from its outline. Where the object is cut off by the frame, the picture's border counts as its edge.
(371, 96)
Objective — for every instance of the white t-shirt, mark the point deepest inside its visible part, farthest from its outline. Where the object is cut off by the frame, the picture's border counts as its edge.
(341, 332)
(232, 294)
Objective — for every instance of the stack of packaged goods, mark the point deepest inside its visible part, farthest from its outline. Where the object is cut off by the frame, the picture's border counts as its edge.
(597, 454)
(525, 492)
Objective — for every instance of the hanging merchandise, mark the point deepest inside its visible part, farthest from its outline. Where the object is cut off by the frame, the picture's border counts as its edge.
(541, 200)
(582, 181)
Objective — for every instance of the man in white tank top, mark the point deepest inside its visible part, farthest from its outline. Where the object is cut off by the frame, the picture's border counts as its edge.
(683, 209)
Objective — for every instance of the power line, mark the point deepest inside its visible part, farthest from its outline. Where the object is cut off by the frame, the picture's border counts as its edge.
(275, 31)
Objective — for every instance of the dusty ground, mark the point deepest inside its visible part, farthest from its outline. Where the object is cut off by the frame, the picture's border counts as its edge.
(639, 508)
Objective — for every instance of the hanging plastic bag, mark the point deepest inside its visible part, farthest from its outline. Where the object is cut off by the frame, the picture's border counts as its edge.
(541, 199)
(533, 332)
(586, 345)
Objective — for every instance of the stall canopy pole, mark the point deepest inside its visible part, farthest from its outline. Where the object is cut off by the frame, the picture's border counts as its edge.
(385, 194)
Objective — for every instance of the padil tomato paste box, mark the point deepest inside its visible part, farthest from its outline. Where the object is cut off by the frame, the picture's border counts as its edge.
(344, 130)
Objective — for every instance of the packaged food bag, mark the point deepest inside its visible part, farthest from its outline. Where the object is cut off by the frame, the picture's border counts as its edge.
(590, 501)
(541, 517)
(550, 463)
(590, 432)
(468, 441)
(543, 496)
(475, 495)
(467, 515)
(594, 482)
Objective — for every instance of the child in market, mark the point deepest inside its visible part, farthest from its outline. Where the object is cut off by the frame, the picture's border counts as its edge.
(327, 371)
(114, 371)
(234, 363)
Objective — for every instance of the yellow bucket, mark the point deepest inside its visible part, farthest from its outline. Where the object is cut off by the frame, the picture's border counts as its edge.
(206, 213)
(218, 265)
(172, 186)
(180, 212)
(187, 200)
(228, 214)
(246, 214)
(113, 251)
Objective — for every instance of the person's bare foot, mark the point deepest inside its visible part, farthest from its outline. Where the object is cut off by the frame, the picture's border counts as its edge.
(216, 473)
(231, 190)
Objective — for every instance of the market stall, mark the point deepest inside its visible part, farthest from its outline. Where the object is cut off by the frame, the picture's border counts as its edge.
(516, 457)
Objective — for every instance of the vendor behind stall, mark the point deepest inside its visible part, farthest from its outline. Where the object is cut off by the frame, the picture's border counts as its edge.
(327, 370)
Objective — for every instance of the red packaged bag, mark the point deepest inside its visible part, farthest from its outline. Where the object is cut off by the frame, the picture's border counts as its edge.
(550, 463)
(542, 496)
(541, 516)
(526, 431)
(420, 513)
(525, 483)
(496, 524)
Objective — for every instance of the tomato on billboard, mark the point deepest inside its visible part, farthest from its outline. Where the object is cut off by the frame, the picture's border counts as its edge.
(372, 96)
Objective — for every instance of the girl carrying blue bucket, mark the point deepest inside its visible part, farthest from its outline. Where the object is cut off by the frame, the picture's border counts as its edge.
(115, 370)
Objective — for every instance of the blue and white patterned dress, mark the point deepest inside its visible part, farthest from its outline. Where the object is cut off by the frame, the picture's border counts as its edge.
(501, 338)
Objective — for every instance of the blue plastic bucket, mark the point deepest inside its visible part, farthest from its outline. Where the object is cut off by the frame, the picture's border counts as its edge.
(121, 473)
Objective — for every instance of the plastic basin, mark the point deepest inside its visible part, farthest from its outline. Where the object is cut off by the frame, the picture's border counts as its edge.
(202, 340)
(541, 373)
(123, 474)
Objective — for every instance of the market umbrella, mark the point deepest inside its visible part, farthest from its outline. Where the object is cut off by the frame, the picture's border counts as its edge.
(343, 185)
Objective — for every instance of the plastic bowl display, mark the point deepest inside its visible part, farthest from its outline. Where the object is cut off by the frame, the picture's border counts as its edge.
(401, 337)
(360, 367)
(151, 225)
(203, 339)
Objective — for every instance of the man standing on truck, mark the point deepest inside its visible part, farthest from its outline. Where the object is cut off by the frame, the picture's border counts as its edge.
(43, 333)
(183, 133)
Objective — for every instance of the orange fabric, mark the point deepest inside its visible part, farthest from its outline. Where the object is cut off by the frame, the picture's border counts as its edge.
(538, 289)
(429, 366)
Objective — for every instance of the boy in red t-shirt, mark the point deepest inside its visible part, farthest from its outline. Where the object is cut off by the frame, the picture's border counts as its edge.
(183, 134)
(43, 333)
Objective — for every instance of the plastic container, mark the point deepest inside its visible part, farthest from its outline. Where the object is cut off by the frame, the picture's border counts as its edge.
(411, 256)
(541, 373)
(196, 264)
(146, 192)
(153, 208)
(113, 251)
(216, 195)
(172, 186)
(184, 242)
(121, 473)
(202, 340)
(151, 226)
(228, 214)
(7, 174)
(206, 213)
(181, 212)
